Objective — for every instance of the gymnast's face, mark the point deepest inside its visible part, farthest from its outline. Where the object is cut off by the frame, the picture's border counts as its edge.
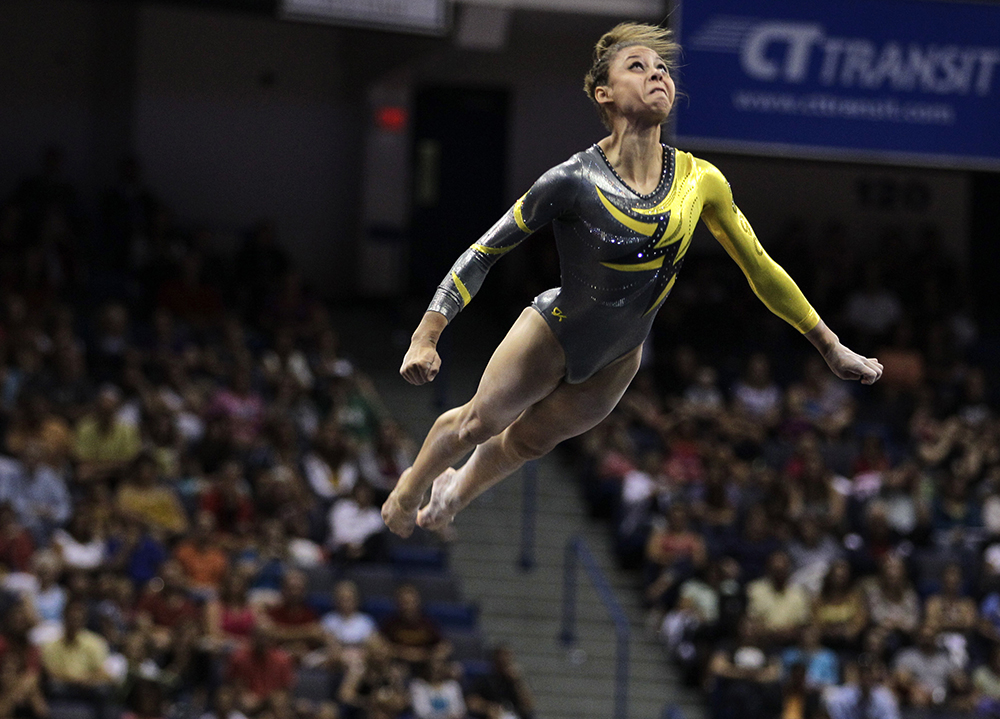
(639, 85)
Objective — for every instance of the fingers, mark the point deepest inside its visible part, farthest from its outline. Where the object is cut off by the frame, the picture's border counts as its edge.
(421, 369)
(871, 370)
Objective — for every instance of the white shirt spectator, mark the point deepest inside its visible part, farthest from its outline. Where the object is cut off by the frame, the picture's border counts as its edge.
(349, 631)
(78, 555)
(326, 481)
(350, 524)
(444, 701)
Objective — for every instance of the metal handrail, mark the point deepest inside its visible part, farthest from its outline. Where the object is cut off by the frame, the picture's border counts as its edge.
(577, 550)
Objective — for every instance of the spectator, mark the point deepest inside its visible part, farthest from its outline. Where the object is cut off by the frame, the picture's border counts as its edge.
(145, 701)
(165, 604)
(778, 608)
(752, 547)
(378, 686)
(230, 617)
(131, 549)
(47, 598)
(502, 692)
(892, 603)
(104, 445)
(799, 699)
(745, 678)
(81, 545)
(258, 670)
(383, 461)
(240, 407)
(330, 467)
(357, 531)
(413, 637)
(950, 610)
(36, 422)
(840, 610)
(436, 695)
(16, 544)
(873, 310)
(75, 662)
(756, 396)
(812, 553)
(224, 704)
(822, 668)
(291, 623)
(20, 689)
(227, 500)
(36, 492)
(143, 497)
(986, 679)
(673, 553)
(867, 697)
(923, 672)
(826, 402)
(203, 560)
(348, 628)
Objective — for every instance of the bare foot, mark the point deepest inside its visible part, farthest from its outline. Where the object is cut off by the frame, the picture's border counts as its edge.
(438, 513)
(398, 518)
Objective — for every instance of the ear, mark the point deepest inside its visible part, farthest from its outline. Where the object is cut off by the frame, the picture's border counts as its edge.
(603, 95)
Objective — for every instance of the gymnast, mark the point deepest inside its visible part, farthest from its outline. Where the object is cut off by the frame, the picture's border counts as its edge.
(623, 213)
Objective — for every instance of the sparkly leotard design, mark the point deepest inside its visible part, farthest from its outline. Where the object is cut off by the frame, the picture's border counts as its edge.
(619, 253)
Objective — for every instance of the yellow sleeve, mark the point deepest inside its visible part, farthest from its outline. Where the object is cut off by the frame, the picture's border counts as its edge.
(767, 279)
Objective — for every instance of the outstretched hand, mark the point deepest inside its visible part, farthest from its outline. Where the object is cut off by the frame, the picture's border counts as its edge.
(421, 364)
(848, 364)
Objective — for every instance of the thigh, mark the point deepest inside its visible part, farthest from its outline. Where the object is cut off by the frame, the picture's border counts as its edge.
(525, 367)
(572, 409)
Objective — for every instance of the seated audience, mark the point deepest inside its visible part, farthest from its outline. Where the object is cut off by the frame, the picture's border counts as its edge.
(413, 637)
(501, 692)
(923, 672)
(778, 608)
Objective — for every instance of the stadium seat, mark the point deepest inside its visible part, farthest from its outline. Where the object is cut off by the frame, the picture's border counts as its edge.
(467, 645)
(453, 615)
(67, 709)
(314, 684)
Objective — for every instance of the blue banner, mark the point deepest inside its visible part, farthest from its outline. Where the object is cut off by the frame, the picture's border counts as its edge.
(911, 81)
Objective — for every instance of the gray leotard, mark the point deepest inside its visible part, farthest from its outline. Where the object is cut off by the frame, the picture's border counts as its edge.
(619, 253)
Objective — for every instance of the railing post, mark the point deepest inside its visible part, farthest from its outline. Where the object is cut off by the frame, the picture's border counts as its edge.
(568, 633)
(576, 549)
(528, 504)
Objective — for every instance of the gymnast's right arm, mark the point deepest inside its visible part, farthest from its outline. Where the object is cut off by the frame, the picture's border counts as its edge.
(552, 194)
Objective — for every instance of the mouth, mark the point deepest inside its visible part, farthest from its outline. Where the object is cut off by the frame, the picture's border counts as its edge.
(658, 89)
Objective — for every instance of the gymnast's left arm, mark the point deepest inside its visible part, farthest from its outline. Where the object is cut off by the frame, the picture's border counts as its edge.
(770, 282)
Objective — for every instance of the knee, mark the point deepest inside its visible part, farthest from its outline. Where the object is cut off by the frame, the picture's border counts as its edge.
(476, 428)
(527, 445)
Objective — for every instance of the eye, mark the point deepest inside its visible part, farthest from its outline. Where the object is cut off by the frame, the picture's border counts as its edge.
(635, 64)
(662, 67)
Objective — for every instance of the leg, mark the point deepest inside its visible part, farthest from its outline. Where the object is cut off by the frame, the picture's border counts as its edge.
(526, 366)
(570, 410)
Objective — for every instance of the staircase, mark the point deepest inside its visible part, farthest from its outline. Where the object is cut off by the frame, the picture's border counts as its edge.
(523, 608)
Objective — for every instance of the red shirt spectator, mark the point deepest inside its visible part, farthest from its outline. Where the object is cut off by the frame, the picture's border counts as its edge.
(259, 669)
(227, 501)
(16, 545)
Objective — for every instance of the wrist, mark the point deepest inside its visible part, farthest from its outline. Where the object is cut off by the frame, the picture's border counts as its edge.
(823, 338)
(429, 330)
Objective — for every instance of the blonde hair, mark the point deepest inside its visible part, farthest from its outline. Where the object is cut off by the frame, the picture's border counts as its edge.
(626, 34)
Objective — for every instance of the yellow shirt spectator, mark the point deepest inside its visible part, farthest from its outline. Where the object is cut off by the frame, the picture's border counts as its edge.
(80, 661)
(118, 443)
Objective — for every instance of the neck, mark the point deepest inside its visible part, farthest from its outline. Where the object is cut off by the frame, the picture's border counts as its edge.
(635, 154)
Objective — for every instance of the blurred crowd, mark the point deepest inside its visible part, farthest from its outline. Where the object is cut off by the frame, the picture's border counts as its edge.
(812, 547)
(183, 449)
